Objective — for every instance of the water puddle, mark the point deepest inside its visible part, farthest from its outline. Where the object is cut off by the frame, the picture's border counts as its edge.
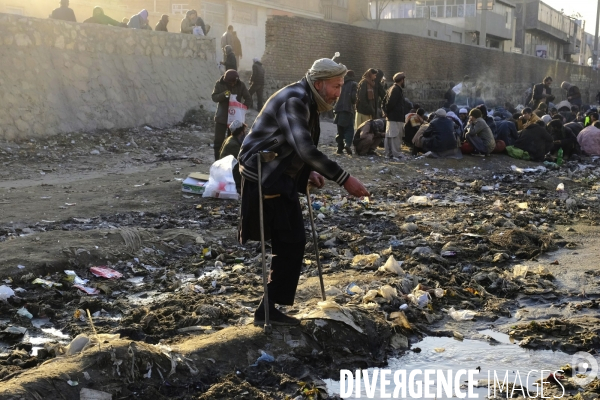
(448, 354)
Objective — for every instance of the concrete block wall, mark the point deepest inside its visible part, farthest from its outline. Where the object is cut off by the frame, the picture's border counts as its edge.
(292, 44)
(63, 77)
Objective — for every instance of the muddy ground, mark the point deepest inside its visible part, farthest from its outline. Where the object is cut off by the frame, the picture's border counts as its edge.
(177, 323)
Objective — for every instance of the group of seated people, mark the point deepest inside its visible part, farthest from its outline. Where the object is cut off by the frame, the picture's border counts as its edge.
(535, 135)
(137, 21)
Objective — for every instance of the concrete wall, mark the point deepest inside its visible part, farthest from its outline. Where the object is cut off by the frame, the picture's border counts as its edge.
(61, 77)
(430, 65)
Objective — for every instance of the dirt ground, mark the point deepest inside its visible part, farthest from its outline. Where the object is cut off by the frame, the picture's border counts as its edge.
(177, 324)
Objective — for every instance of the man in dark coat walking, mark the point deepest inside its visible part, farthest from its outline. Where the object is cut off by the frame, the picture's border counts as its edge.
(257, 82)
(63, 13)
(227, 85)
(344, 114)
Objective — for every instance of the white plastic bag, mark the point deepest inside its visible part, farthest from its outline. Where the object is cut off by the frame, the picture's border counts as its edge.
(220, 182)
(197, 31)
(237, 111)
(458, 88)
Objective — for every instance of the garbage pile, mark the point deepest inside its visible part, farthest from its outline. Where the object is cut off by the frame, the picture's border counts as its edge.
(434, 254)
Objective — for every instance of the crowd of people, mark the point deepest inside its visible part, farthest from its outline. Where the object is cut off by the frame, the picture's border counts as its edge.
(537, 131)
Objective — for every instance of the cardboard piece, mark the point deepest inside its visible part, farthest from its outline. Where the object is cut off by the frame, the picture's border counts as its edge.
(194, 183)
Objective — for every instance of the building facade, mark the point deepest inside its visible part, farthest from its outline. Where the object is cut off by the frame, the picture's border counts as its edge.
(545, 32)
(477, 22)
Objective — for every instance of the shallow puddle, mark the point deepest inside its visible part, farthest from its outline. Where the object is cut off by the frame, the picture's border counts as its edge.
(448, 354)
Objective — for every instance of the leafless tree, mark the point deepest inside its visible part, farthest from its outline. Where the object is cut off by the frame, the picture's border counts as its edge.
(378, 7)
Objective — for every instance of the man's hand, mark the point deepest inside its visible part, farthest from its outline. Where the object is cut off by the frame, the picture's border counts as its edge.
(315, 179)
(355, 187)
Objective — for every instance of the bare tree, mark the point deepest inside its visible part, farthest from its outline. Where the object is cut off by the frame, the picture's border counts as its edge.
(378, 7)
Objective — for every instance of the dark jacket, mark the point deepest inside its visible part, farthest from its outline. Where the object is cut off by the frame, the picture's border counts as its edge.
(449, 98)
(98, 17)
(258, 74)
(347, 99)
(439, 136)
(289, 125)
(161, 26)
(575, 127)
(363, 104)
(574, 96)
(507, 132)
(231, 147)
(393, 104)
(63, 14)
(537, 96)
(535, 140)
(218, 96)
(230, 61)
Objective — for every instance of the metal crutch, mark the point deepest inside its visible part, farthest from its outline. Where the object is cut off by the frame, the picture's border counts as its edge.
(315, 241)
(264, 156)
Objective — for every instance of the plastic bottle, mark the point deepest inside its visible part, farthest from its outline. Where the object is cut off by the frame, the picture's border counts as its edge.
(559, 158)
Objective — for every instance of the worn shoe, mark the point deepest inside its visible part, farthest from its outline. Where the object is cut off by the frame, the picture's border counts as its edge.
(348, 150)
(276, 317)
(340, 151)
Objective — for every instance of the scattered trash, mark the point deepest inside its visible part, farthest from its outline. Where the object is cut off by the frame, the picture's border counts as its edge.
(46, 283)
(391, 265)
(88, 290)
(72, 277)
(353, 289)
(6, 292)
(520, 271)
(105, 272)
(72, 383)
(25, 313)
(91, 394)
(560, 187)
(439, 349)
(419, 200)
(372, 261)
(263, 357)
(462, 315)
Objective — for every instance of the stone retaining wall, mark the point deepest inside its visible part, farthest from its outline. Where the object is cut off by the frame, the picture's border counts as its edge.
(63, 77)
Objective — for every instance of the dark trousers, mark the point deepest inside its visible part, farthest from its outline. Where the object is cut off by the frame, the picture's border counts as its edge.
(220, 132)
(284, 225)
(258, 89)
(344, 137)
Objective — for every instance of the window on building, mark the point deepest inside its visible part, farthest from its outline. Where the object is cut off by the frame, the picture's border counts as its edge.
(179, 8)
(428, 32)
(434, 33)
(470, 10)
(508, 19)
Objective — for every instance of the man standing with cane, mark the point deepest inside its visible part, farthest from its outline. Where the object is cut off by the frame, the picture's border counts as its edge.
(288, 126)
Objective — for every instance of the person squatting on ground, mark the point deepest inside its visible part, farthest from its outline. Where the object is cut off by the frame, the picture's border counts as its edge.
(344, 114)
(289, 126)
(236, 132)
(412, 125)
(395, 113)
(257, 82)
(368, 136)
(227, 85)
(479, 134)
(439, 137)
